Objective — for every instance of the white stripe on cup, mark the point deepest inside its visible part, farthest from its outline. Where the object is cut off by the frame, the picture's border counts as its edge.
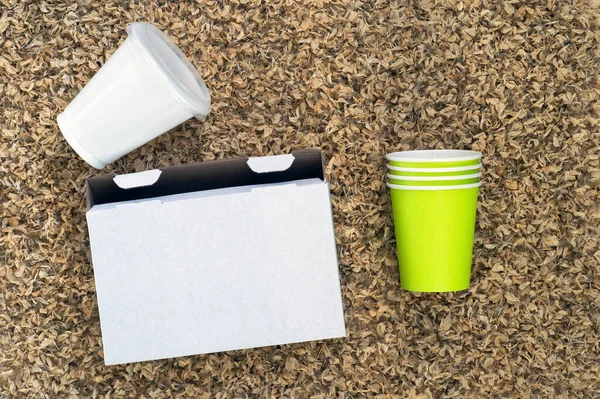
(433, 178)
(433, 170)
(433, 156)
(433, 188)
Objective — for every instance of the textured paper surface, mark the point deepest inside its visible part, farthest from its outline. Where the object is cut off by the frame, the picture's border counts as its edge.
(225, 270)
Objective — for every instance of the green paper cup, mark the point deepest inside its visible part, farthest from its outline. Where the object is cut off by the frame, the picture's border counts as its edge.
(434, 180)
(434, 229)
(424, 172)
(433, 158)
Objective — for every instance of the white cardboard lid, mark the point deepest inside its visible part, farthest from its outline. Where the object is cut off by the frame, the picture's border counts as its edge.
(208, 270)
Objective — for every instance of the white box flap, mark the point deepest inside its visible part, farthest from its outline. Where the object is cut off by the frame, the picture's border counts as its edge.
(140, 179)
(305, 164)
(276, 163)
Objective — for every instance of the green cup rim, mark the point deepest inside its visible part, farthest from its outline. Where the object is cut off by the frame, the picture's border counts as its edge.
(433, 156)
(433, 188)
(434, 170)
(433, 178)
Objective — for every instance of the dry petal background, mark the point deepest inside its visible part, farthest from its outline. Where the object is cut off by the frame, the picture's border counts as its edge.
(516, 80)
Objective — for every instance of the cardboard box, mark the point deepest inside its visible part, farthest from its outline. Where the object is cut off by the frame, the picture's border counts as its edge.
(214, 256)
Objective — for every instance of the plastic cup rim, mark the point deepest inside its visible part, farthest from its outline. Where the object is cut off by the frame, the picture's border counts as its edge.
(433, 178)
(197, 102)
(433, 188)
(430, 156)
(434, 170)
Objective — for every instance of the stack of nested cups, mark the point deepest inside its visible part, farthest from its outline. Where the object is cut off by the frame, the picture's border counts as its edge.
(434, 202)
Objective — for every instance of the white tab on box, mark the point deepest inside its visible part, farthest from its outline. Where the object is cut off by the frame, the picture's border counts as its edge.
(140, 179)
(276, 163)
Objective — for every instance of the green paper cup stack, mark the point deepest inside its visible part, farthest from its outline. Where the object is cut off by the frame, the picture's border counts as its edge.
(434, 203)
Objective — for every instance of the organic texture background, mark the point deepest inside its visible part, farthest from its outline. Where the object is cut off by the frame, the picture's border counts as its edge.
(516, 80)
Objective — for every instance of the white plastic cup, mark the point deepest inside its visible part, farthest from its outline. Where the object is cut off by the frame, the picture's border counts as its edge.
(146, 88)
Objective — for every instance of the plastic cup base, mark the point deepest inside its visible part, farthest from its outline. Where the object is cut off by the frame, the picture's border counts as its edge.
(74, 143)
